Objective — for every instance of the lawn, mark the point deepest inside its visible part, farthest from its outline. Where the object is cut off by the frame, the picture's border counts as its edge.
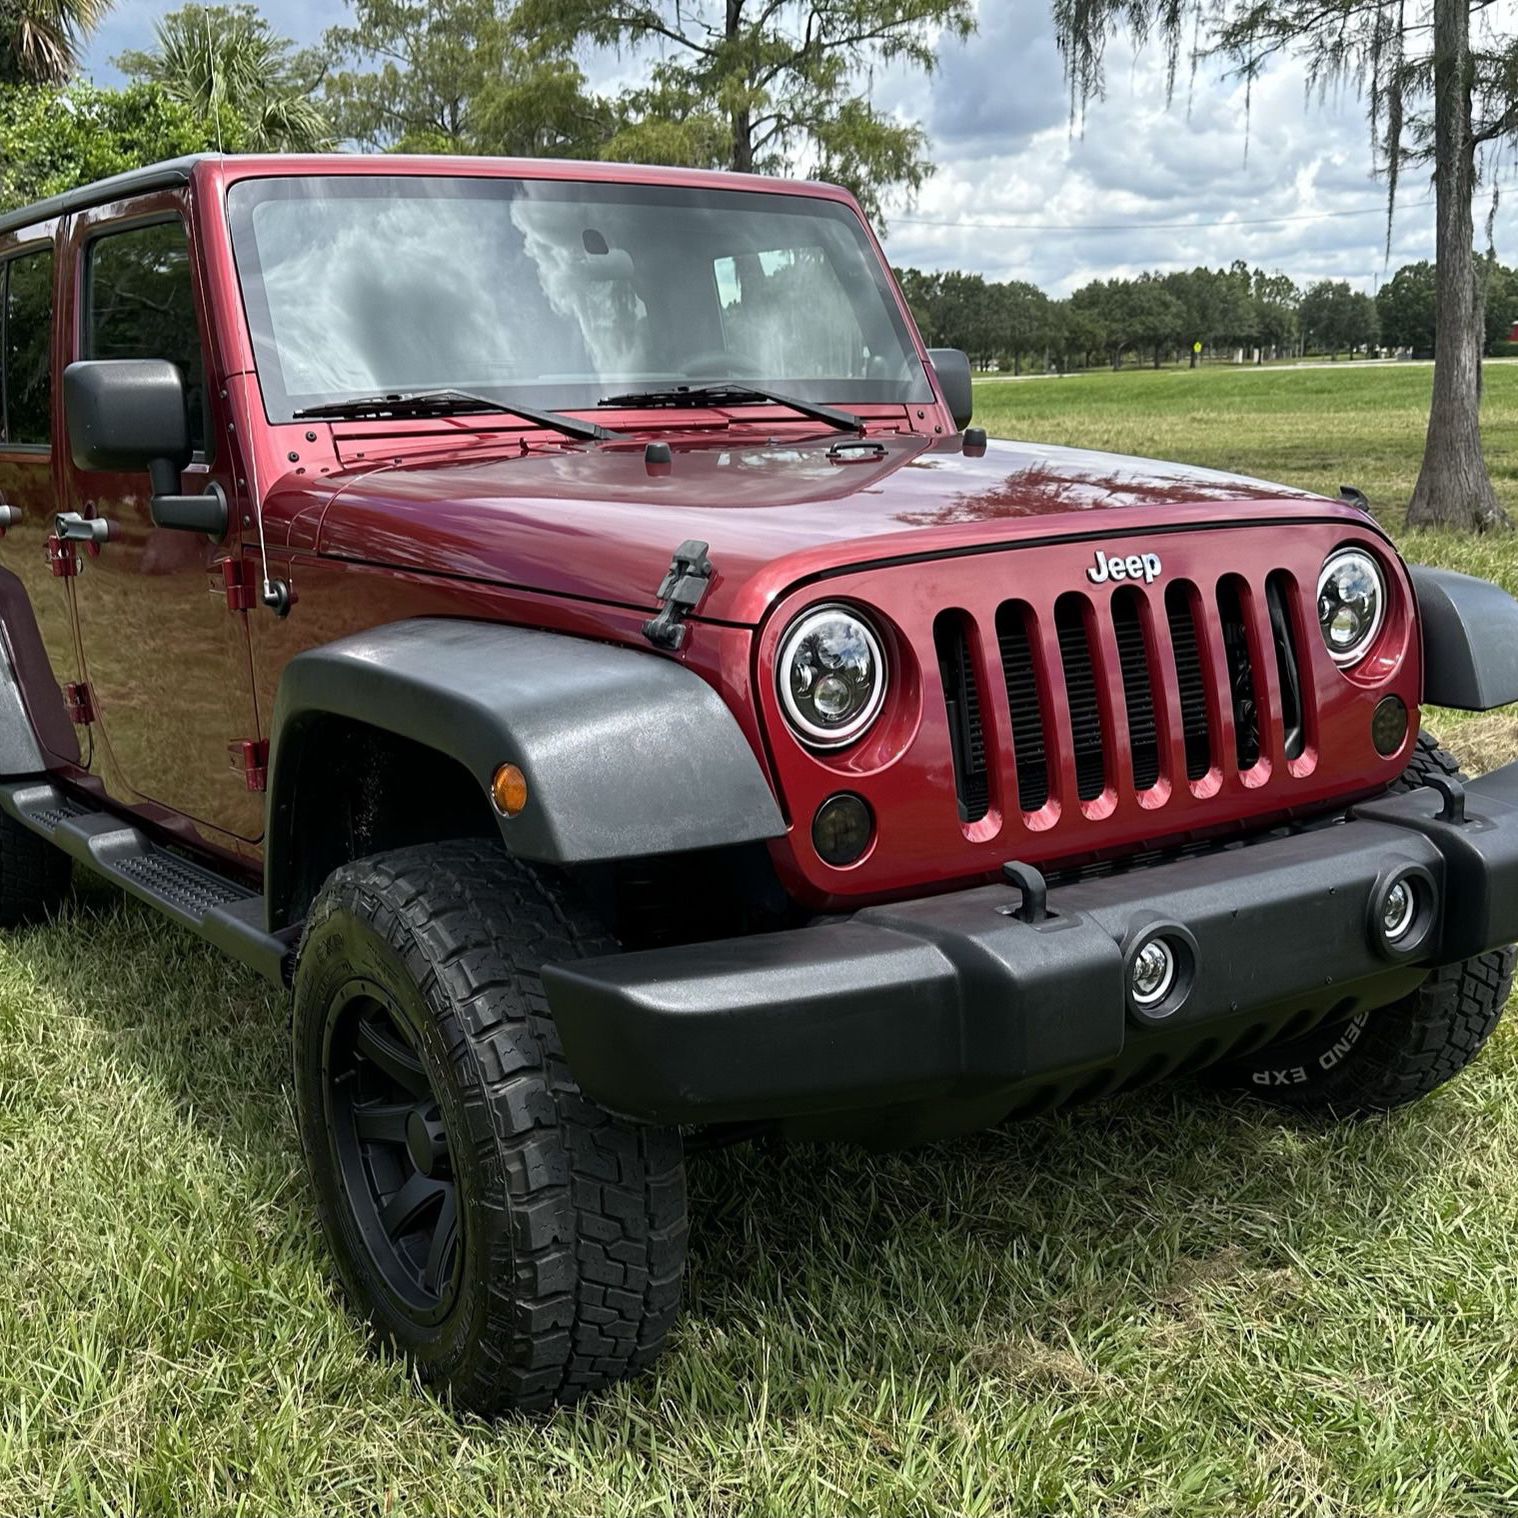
(1172, 1303)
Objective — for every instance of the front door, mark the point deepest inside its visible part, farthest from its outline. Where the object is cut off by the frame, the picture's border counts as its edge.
(165, 655)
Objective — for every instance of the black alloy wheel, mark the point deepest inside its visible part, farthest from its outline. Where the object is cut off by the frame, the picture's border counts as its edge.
(392, 1153)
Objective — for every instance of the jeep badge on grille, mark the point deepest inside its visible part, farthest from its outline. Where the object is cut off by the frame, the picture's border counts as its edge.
(1136, 566)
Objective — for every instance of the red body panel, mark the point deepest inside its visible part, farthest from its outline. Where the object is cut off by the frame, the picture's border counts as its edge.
(480, 517)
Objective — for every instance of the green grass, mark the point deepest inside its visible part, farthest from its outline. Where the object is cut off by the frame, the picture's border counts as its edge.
(1168, 1304)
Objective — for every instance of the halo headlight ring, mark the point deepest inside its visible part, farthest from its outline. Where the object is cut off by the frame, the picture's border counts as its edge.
(834, 630)
(1363, 624)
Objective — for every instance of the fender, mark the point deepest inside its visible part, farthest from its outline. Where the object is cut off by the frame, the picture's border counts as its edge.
(1470, 639)
(33, 721)
(625, 753)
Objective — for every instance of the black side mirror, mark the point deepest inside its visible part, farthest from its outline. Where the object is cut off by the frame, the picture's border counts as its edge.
(953, 370)
(130, 414)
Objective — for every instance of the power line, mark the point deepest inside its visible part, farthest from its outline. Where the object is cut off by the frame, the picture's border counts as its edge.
(1144, 226)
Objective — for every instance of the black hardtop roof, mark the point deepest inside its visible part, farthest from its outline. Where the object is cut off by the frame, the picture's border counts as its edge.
(155, 176)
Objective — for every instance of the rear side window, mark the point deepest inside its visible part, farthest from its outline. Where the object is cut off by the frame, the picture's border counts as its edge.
(28, 347)
(140, 303)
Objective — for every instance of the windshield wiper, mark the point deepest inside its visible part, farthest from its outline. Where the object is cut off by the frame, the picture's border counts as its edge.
(732, 393)
(421, 403)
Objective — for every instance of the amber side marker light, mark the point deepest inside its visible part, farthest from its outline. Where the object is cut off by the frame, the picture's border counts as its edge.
(509, 790)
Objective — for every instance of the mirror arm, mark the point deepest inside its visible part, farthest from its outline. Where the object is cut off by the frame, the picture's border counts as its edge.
(206, 513)
(165, 476)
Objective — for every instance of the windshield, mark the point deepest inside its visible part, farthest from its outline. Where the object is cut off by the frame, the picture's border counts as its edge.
(559, 294)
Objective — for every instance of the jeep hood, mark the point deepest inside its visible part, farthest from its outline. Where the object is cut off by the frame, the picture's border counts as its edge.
(599, 522)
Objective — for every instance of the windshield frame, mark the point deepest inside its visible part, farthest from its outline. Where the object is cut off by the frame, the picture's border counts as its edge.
(246, 194)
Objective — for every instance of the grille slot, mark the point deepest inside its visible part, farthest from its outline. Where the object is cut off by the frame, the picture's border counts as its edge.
(1081, 694)
(1280, 598)
(1138, 688)
(1012, 622)
(967, 734)
(1241, 675)
(1191, 684)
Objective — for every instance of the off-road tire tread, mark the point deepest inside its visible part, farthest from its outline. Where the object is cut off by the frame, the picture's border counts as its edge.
(596, 1227)
(34, 875)
(1428, 759)
(1414, 1046)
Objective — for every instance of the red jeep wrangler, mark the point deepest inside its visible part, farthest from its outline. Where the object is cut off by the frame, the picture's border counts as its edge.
(559, 618)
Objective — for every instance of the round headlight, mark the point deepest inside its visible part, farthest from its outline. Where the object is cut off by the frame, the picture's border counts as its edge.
(1351, 603)
(832, 676)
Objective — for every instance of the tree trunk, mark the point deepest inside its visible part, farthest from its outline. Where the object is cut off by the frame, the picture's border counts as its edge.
(1454, 488)
(742, 119)
(743, 142)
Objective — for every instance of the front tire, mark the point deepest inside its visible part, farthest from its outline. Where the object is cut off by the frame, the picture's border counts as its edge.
(1387, 1057)
(517, 1243)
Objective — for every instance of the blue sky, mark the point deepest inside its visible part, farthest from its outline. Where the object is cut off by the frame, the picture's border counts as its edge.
(1145, 184)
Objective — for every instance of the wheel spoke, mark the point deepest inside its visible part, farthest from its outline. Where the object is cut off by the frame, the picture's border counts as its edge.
(384, 1123)
(402, 1211)
(445, 1237)
(383, 1049)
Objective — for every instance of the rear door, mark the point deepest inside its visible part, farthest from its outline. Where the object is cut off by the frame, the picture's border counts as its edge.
(30, 480)
(166, 656)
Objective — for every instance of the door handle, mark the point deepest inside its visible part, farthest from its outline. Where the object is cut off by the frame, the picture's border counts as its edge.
(73, 528)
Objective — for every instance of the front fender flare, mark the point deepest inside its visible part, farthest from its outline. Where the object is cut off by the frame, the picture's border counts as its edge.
(625, 753)
(1470, 639)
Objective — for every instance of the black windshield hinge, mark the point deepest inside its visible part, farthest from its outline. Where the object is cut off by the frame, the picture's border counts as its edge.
(686, 581)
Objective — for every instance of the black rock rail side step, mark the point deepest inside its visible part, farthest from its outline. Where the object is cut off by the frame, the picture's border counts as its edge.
(223, 911)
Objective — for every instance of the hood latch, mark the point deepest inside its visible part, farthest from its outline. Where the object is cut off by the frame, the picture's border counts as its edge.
(686, 581)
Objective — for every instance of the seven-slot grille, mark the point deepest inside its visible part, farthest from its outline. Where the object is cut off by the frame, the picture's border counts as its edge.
(1151, 674)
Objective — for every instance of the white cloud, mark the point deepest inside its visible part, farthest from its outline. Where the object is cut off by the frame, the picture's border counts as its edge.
(1006, 153)
(998, 114)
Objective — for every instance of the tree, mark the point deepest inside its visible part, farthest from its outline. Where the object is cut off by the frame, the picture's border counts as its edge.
(1406, 306)
(56, 139)
(40, 39)
(788, 79)
(1336, 317)
(1434, 98)
(454, 76)
(215, 57)
(1276, 299)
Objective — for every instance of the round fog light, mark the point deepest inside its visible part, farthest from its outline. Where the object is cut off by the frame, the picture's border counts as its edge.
(1152, 973)
(1398, 908)
(1388, 726)
(842, 828)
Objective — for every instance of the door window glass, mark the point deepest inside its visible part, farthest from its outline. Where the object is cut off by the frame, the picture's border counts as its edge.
(140, 304)
(28, 347)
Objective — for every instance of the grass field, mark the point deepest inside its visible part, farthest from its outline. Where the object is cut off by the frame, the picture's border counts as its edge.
(1172, 1303)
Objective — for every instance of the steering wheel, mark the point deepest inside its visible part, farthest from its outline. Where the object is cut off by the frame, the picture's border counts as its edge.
(719, 363)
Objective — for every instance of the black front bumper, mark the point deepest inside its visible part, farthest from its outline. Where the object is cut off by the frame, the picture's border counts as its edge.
(952, 1011)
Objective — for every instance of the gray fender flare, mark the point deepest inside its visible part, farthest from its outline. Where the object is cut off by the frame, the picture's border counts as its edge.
(1470, 639)
(20, 753)
(625, 753)
(33, 720)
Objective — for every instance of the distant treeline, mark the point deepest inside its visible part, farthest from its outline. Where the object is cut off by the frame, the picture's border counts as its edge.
(1232, 313)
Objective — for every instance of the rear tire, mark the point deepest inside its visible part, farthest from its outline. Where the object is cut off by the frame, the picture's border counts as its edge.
(34, 876)
(1387, 1057)
(433, 1095)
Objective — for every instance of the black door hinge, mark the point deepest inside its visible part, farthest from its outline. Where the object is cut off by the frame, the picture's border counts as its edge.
(687, 580)
(80, 704)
